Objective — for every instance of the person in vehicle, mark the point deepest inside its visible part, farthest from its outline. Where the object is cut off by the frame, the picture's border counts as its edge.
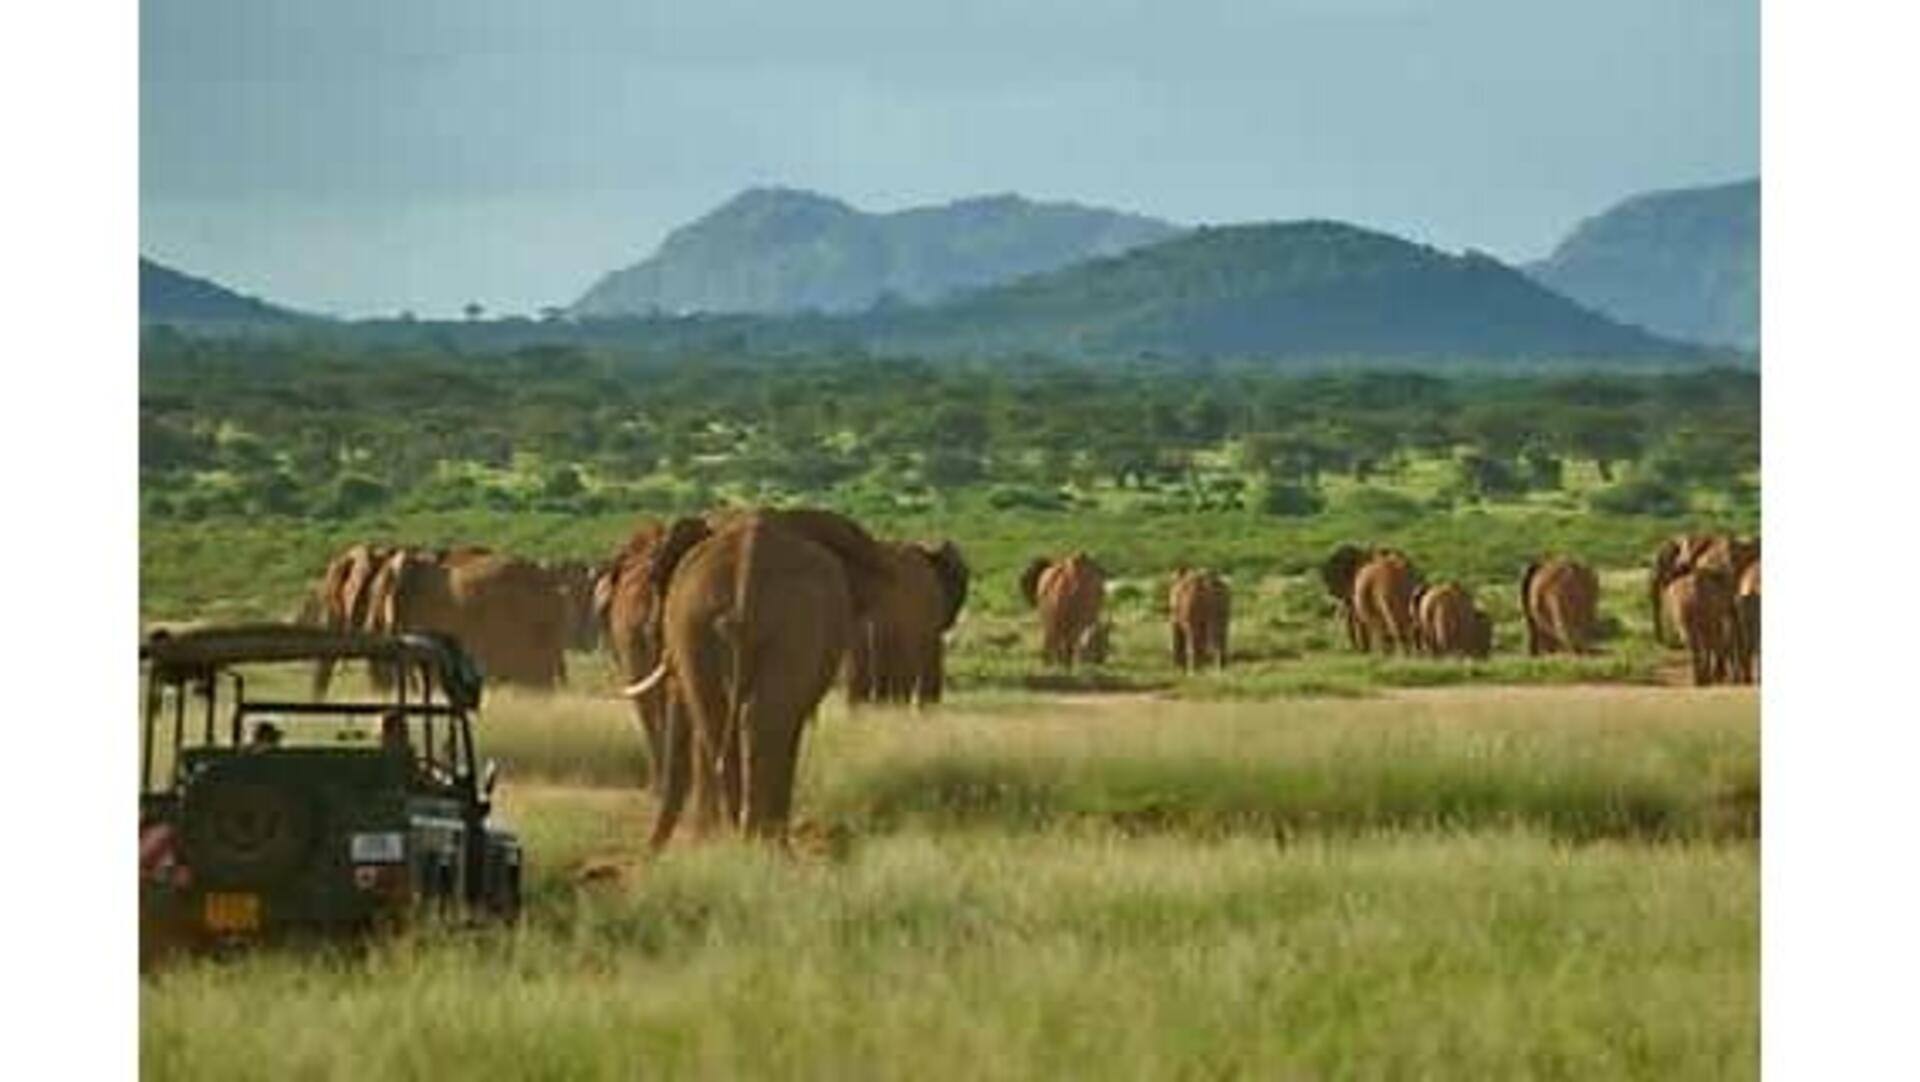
(394, 742)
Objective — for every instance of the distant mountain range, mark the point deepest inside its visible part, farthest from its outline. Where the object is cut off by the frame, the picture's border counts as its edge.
(1683, 263)
(778, 250)
(168, 296)
(776, 271)
(1311, 289)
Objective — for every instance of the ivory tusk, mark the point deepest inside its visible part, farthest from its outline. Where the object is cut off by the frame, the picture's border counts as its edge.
(646, 683)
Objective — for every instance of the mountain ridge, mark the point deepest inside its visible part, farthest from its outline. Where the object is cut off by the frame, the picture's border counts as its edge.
(1278, 290)
(1682, 262)
(168, 295)
(779, 250)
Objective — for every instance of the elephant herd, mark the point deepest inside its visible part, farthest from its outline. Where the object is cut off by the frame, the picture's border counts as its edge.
(517, 617)
(1704, 590)
(728, 629)
(1386, 605)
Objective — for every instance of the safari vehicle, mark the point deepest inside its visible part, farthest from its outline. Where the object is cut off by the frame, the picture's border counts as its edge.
(261, 816)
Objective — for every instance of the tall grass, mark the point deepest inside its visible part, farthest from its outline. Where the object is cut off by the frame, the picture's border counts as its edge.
(990, 956)
(1624, 764)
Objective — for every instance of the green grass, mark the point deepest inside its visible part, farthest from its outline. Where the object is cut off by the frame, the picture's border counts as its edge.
(1602, 763)
(1471, 883)
(987, 956)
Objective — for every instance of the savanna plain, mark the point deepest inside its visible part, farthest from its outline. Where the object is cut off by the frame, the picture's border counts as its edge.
(1314, 864)
(1462, 882)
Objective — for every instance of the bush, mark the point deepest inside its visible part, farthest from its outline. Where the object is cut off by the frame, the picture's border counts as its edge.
(1292, 501)
(562, 484)
(1641, 496)
(352, 494)
(1487, 476)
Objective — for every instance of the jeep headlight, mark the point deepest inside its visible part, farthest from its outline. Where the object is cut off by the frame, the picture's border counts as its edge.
(379, 847)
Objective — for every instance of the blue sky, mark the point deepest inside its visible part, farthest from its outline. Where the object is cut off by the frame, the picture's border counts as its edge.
(362, 158)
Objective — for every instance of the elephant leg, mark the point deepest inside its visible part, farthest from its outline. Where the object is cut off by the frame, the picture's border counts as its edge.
(901, 669)
(701, 680)
(1220, 646)
(860, 666)
(677, 763)
(651, 714)
(770, 729)
(933, 672)
(1180, 649)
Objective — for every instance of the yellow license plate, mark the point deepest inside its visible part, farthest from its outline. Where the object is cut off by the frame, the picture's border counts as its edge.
(232, 912)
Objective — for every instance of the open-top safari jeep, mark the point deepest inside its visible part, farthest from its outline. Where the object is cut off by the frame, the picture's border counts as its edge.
(261, 816)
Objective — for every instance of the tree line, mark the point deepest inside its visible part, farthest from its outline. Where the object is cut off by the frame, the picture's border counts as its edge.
(324, 429)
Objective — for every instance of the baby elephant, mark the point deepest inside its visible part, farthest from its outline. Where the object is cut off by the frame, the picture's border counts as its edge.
(1449, 624)
(1199, 606)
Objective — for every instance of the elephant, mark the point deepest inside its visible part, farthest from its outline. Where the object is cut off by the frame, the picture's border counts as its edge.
(1746, 603)
(1558, 599)
(1450, 624)
(342, 600)
(507, 612)
(575, 580)
(1199, 608)
(1382, 602)
(1700, 606)
(1068, 593)
(627, 596)
(899, 651)
(1337, 572)
(1681, 553)
(754, 621)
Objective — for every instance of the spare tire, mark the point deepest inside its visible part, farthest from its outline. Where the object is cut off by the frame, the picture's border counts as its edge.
(244, 830)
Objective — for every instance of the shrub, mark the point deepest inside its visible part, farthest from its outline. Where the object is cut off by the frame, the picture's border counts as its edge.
(352, 494)
(563, 483)
(1487, 476)
(1641, 496)
(1292, 501)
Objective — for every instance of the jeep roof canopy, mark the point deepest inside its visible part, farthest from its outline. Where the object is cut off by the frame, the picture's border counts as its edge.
(195, 653)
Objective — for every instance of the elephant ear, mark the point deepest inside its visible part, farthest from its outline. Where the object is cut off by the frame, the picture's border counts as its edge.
(680, 536)
(1339, 568)
(1030, 579)
(950, 567)
(601, 599)
(1090, 564)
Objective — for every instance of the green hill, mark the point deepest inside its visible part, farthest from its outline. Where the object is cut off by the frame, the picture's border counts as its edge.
(1683, 263)
(168, 296)
(1313, 289)
(777, 250)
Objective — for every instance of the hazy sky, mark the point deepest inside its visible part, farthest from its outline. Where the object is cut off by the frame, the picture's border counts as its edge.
(361, 157)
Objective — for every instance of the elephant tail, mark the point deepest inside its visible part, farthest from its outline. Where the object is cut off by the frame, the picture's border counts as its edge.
(736, 627)
(1526, 593)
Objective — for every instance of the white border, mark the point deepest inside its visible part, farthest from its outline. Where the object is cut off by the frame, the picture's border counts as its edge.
(1842, 639)
(68, 106)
